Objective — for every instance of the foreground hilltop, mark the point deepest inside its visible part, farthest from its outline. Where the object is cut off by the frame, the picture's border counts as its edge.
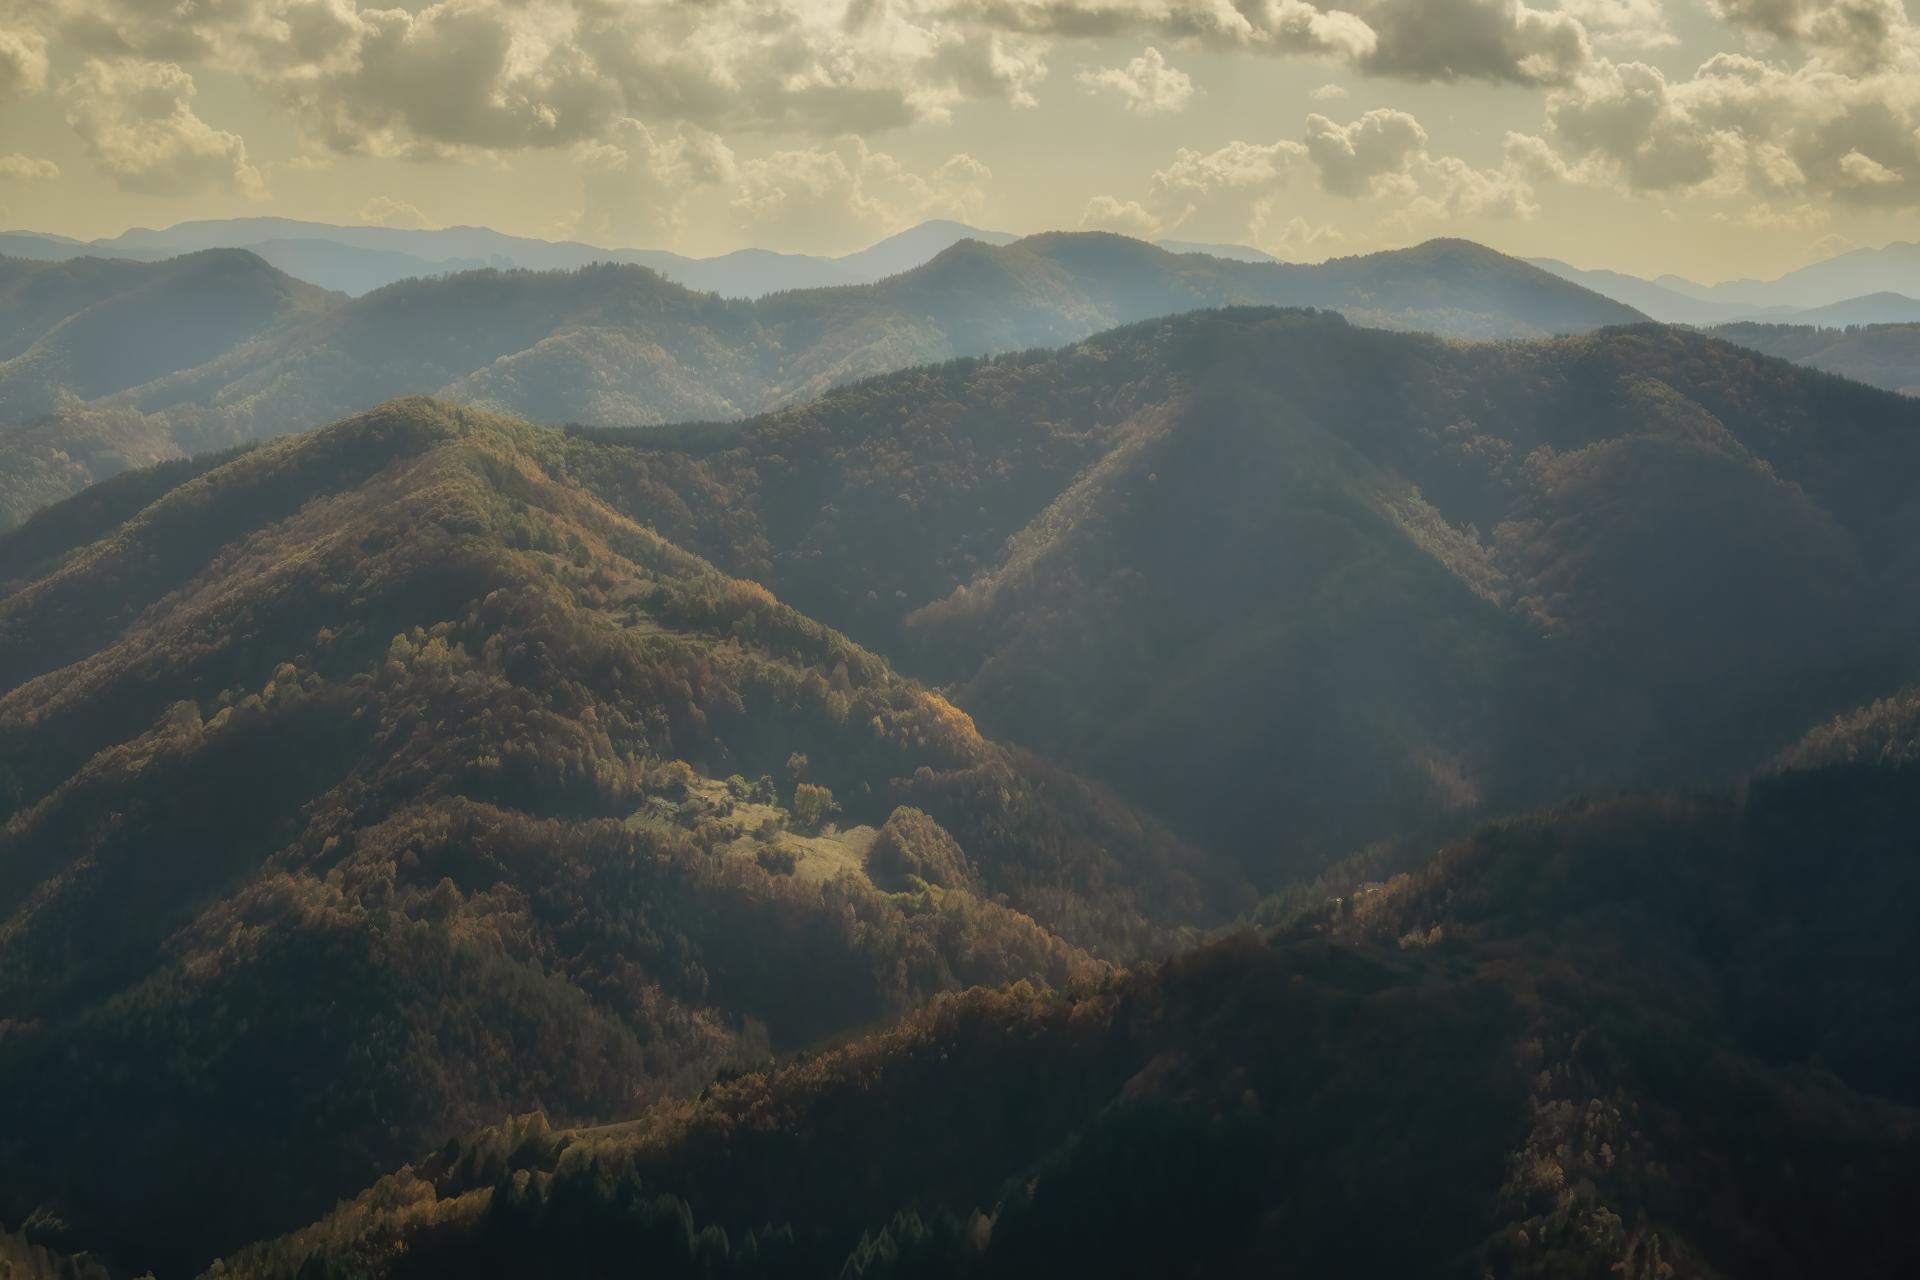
(619, 345)
(1298, 586)
(366, 786)
(1666, 1036)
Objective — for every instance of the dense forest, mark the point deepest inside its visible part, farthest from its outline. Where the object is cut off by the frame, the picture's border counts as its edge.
(366, 786)
(116, 364)
(983, 822)
(1660, 1036)
(1297, 586)
(1882, 355)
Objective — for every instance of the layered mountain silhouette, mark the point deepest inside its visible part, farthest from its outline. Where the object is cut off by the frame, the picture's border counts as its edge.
(1860, 286)
(664, 789)
(358, 259)
(620, 345)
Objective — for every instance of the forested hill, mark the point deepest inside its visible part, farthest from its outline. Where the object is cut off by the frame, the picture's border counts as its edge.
(1882, 355)
(89, 328)
(1297, 585)
(1660, 1037)
(366, 786)
(620, 345)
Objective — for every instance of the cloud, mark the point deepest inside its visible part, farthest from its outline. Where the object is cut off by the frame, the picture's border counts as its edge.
(27, 168)
(637, 183)
(1353, 159)
(1148, 85)
(1383, 155)
(1627, 117)
(1296, 239)
(1496, 40)
(827, 198)
(1265, 26)
(1861, 35)
(461, 75)
(1630, 24)
(23, 60)
(1743, 127)
(139, 126)
(1127, 217)
(453, 77)
(1330, 93)
(385, 211)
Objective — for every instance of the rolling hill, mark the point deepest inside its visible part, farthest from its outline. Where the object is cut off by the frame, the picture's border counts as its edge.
(1658, 1036)
(360, 788)
(363, 787)
(1296, 586)
(1881, 355)
(619, 345)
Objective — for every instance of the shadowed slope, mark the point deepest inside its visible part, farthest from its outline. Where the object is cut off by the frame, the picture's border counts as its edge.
(378, 782)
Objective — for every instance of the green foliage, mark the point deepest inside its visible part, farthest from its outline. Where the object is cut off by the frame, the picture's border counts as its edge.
(912, 846)
(812, 806)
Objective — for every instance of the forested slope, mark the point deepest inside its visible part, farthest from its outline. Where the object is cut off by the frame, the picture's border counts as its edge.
(367, 786)
(1299, 585)
(1661, 1036)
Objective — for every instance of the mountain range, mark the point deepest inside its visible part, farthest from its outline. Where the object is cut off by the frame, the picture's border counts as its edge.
(359, 259)
(1860, 286)
(618, 344)
(368, 785)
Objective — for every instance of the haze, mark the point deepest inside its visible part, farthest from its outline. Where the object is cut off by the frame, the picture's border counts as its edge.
(1714, 138)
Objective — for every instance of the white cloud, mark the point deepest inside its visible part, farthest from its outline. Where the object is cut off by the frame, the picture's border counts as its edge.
(385, 211)
(826, 198)
(27, 168)
(1354, 159)
(1383, 156)
(1148, 85)
(1742, 127)
(1330, 93)
(139, 126)
(1296, 239)
(1128, 217)
(638, 181)
(1630, 24)
(455, 76)
(23, 60)
(1860, 35)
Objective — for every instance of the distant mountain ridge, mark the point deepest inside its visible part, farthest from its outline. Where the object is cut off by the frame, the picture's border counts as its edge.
(359, 259)
(1852, 288)
(1881, 355)
(619, 345)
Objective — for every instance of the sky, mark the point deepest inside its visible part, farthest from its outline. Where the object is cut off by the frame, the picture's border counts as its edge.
(1710, 138)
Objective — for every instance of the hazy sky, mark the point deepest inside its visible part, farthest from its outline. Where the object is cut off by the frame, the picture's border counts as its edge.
(1708, 137)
